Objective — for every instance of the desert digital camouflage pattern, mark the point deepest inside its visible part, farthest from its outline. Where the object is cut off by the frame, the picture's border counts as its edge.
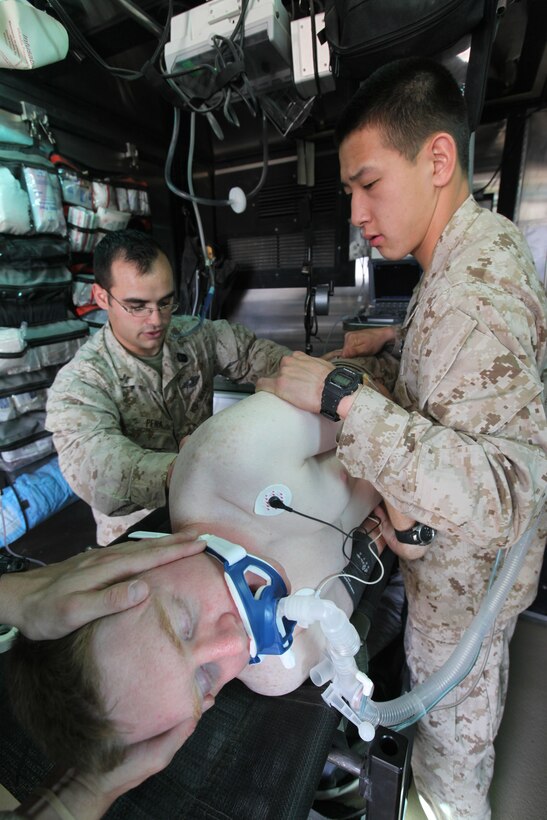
(466, 452)
(117, 423)
(453, 754)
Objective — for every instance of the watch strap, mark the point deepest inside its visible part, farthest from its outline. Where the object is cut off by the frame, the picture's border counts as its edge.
(418, 535)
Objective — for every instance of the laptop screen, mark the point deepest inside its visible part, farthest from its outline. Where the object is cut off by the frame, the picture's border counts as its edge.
(393, 281)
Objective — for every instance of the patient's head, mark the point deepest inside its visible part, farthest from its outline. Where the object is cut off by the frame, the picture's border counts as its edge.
(134, 675)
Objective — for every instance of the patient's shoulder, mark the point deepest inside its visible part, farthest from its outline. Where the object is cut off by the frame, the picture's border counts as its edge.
(265, 423)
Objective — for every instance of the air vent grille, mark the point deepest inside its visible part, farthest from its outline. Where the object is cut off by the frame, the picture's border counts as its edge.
(284, 252)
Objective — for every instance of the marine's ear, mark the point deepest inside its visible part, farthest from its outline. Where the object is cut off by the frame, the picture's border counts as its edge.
(444, 156)
(100, 296)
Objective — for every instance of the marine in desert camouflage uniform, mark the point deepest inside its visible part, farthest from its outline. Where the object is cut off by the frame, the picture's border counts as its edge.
(120, 408)
(464, 452)
(462, 446)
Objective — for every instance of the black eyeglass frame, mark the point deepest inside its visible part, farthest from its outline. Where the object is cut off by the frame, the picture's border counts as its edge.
(142, 310)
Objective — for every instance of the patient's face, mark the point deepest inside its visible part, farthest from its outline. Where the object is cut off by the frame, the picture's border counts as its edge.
(164, 661)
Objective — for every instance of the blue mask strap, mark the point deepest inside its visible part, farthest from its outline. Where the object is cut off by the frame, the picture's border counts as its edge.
(268, 634)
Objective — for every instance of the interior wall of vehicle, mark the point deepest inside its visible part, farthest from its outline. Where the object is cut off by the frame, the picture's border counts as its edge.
(297, 225)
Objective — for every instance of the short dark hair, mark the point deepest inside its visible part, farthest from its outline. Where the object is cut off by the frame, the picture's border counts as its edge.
(408, 100)
(54, 688)
(133, 246)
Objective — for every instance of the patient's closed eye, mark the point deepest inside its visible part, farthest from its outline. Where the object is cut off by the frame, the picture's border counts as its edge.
(185, 622)
(176, 620)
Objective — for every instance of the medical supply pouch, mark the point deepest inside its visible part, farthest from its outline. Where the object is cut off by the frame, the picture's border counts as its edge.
(14, 203)
(30, 193)
(44, 345)
(33, 497)
(132, 196)
(104, 194)
(108, 219)
(29, 37)
(95, 317)
(35, 295)
(82, 284)
(365, 34)
(34, 251)
(24, 392)
(82, 225)
(13, 129)
(24, 440)
(84, 305)
(76, 189)
(46, 203)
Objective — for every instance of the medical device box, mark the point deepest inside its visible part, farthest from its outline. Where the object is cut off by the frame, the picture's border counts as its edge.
(267, 41)
(303, 45)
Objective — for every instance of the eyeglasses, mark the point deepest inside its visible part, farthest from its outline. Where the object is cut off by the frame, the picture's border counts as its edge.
(142, 310)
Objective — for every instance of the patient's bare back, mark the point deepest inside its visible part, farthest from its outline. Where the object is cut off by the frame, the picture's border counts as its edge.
(224, 473)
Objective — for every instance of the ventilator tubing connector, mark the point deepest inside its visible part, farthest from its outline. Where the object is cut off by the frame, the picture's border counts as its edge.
(348, 686)
(413, 705)
(350, 690)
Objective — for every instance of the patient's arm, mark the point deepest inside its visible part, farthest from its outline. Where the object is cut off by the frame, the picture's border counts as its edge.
(235, 454)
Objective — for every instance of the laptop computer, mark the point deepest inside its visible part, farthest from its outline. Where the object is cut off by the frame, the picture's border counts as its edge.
(390, 288)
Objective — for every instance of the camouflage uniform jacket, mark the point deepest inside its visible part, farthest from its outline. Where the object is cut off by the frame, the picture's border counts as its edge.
(117, 423)
(466, 450)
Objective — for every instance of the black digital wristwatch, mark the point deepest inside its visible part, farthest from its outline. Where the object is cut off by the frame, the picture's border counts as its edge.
(342, 381)
(420, 535)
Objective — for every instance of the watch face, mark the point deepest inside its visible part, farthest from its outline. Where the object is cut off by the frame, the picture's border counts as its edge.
(427, 534)
(342, 380)
(346, 378)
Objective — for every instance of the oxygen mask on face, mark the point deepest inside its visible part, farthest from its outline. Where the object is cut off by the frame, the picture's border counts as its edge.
(269, 633)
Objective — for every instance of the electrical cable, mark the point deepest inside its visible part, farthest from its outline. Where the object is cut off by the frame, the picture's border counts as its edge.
(229, 68)
(314, 47)
(237, 197)
(5, 545)
(85, 45)
(228, 52)
(140, 15)
(277, 504)
(168, 169)
(207, 302)
(240, 22)
(190, 182)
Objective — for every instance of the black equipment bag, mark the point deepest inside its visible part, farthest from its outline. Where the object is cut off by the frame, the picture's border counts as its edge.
(366, 34)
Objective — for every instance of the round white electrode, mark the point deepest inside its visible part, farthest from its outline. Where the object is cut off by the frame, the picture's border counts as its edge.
(281, 491)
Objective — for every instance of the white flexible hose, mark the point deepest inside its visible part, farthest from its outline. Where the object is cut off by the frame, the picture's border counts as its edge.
(414, 704)
(344, 642)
